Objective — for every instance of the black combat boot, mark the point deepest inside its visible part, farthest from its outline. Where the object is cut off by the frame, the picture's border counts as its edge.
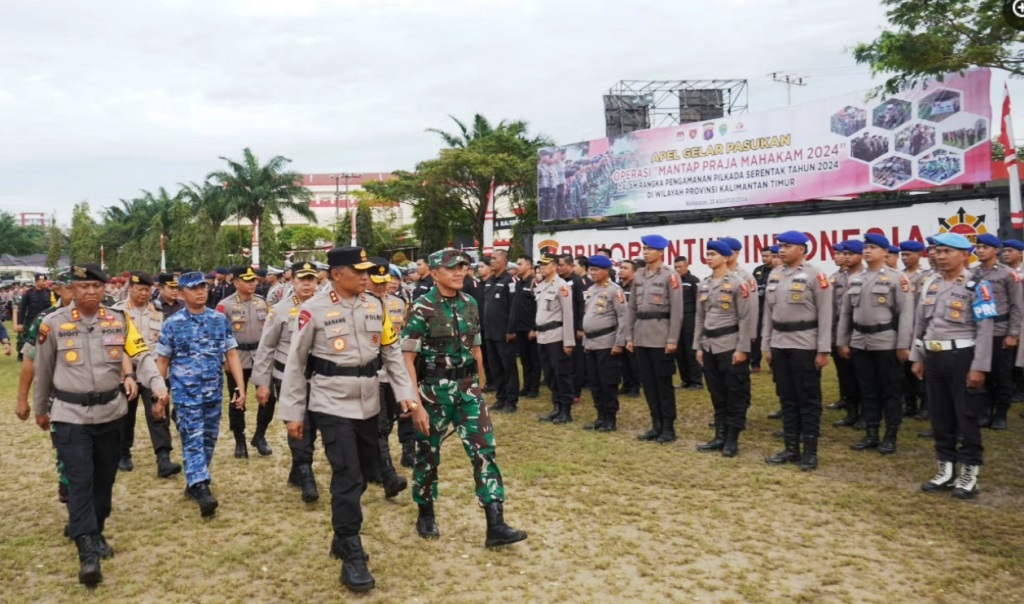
(791, 454)
(609, 423)
(909, 406)
(498, 406)
(870, 440)
(393, 483)
(426, 526)
(259, 440)
(888, 444)
(499, 533)
(103, 548)
(717, 442)
(200, 493)
(668, 433)
(564, 415)
(164, 467)
(943, 480)
(597, 423)
(809, 461)
(653, 433)
(840, 404)
(408, 454)
(775, 414)
(555, 409)
(354, 573)
(731, 447)
(241, 451)
(852, 415)
(307, 483)
(125, 464)
(89, 573)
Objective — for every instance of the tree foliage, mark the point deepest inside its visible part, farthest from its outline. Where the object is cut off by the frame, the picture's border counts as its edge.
(254, 191)
(20, 240)
(930, 38)
(84, 239)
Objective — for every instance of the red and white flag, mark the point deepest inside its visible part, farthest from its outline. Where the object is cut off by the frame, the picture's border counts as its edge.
(163, 255)
(1007, 140)
(256, 244)
(488, 247)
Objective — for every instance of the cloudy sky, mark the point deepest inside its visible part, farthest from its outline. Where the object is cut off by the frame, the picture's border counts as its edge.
(101, 99)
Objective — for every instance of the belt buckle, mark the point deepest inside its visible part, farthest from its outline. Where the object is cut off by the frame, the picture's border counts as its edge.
(935, 346)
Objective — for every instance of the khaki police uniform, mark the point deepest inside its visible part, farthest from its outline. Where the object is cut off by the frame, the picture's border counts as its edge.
(1007, 293)
(604, 327)
(246, 318)
(555, 332)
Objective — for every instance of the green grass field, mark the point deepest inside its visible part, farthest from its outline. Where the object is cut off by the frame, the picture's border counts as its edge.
(609, 518)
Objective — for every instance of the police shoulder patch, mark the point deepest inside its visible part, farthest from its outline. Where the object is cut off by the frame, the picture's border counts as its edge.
(1015, 276)
(904, 283)
(565, 291)
(673, 280)
(823, 280)
(304, 318)
(744, 290)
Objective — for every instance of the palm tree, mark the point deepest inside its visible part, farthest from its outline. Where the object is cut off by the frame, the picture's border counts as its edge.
(253, 190)
(210, 198)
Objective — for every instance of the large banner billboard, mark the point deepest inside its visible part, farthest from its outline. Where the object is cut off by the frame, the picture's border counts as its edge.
(969, 218)
(932, 135)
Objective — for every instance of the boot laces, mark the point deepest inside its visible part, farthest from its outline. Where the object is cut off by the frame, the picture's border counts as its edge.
(968, 478)
(942, 475)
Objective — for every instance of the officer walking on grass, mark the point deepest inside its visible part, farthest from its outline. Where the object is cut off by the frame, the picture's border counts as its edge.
(441, 346)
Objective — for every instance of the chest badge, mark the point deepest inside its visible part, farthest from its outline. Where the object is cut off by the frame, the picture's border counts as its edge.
(796, 297)
(237, 326)
(71, 356)
(338, 344)
(114, 353)
(375, 339)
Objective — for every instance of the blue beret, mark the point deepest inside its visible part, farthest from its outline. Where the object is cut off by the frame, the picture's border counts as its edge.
(210, 276)
(853, 246)
(600, 261)
(988, 239)
(220, 270)
(1016, 244)
(734, 244)
(792, 238)
(189, 280)
(261, 272)
(839, 247)
(876, 239)
(654, 241)
(930, 240)
(953, 240)
(720, 246)
(774, 249)
(911, 246)
(894, 249)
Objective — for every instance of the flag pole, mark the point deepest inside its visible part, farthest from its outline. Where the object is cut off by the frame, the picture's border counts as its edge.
(1010, 160)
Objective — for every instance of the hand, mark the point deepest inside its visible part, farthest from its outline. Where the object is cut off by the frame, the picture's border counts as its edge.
(159, 410)
(670, 348)
(821, 360)
(420, 420)
(767, 358)
(238, 399)
(616, 351)
(263, 395)
(917, 368)
(568, 351)
(510, 337)
(700, 357)
(131, 388)
(43, 421)
(738, 358)
(21, 409)
(903, 355)
(532, 335)
(975, 379)
(7, 348)
(294, 430)
(629, 346)
(162, 396)
(844, 351)
(18, 329)
(1008, 342)
(579, 335)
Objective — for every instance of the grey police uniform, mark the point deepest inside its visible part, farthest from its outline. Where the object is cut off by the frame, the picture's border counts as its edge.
(246, 318)
(554, 333)
(951, 344)
(604, 327)
(1007, 293)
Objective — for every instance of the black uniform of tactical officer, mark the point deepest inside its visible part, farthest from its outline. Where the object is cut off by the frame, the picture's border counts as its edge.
(604, 338)
(1006, 292)
(686, 355)
(653, 320)
(876, 319)
(761, 273)
(725, 323)
(34, 301)
(576, 284)
(344, 336)
(954, 325)
(522, 319)
(797, 341)
(500, 336)
(168, 299)
(82, 352)
(849, 386)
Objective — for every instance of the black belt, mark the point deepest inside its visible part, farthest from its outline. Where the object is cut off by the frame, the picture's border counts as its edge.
(870, 329)
(331, 369)
(652, 315)
(1001, 318)
(278, 365)
(721, 331)
(601, 332)
(549, 326)
(795, 326)
(431, 374)
(249, 346)
(87, 399)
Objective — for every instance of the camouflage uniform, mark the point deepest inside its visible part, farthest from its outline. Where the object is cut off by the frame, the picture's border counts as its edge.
(29, 352)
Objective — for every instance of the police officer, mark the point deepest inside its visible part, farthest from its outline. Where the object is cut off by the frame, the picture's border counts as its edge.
(148, 320)
(522, 319)
(760, 274)
(630, 372)
(167, 298)
(499, 336)
(838, 280)
(686, 355)
(797, 340)
(425, 282)
(275, 286)
(604, 338)
(79, 364)
(1007, 293)
(441, 346)
(577, 287)
(193, 346)
(849, 385)
(268, 370)
(726, 320)
(246, 312)
(32, 302)
(952, 358)
(875, 324)
(344, 337)
(913, 389)
(556, 336)
(653, 320)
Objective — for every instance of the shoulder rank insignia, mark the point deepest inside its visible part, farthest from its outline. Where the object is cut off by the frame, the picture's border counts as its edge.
(75, 315)
(295, 300)
(823, 280)
(334, 298)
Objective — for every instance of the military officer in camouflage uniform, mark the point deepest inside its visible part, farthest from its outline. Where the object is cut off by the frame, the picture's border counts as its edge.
(441, 345)
(724, 331)
(556, 336)
(653, 320)
(268, 370)
(194, 344)
(1007, 293)
(343, 338)
(604, 339)
(797, 340)
(79, 364)
(913, 388)
(246, 313)
(954, 352)
(875, 323)
(148, 320)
